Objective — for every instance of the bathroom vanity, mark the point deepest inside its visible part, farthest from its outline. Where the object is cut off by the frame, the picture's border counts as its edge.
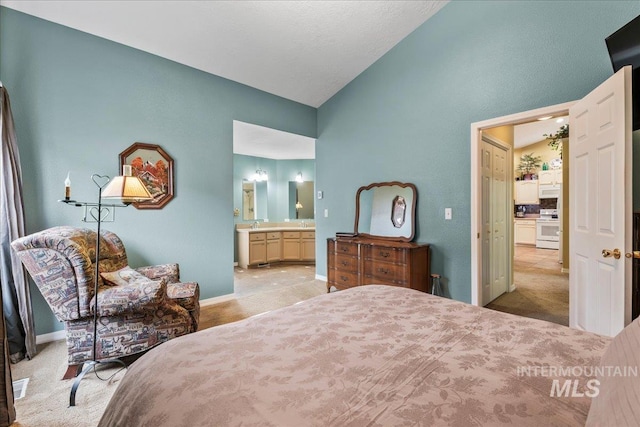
(276, 244)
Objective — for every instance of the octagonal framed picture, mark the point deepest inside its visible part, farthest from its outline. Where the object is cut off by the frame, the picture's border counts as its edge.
(154, 167)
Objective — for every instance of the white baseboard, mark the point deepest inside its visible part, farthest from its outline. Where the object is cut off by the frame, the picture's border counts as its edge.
(512, 287)
(217, 300)
(319, 277)
(53, 336)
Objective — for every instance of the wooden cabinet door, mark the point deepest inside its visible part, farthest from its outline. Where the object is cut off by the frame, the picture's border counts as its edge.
(257, 252)
(525, 232)
(547, 177)
(527, 192)
(308, 246)
(291, 246)
(274, 246)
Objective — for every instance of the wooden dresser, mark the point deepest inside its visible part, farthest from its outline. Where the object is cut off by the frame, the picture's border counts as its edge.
(364, 261)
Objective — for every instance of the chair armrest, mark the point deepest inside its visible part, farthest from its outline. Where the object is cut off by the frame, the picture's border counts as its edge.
(186, 294)
(134, 298)
(169, 272)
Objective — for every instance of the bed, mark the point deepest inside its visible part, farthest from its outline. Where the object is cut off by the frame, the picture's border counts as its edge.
(371, 355)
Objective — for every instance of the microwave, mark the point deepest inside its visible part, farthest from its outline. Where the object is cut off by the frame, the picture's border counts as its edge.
(549, 191)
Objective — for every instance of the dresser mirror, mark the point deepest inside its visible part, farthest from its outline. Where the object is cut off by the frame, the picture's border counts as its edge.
(386, 210)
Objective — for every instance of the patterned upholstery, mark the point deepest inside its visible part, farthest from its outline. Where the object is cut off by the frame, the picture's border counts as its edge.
(131, 318)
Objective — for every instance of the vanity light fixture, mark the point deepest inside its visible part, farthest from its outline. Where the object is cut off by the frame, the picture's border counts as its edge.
(560, 120)
(260, 176)
(299, 177)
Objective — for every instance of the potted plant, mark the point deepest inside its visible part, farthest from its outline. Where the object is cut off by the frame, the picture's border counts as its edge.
(556, 139)
(529, 164)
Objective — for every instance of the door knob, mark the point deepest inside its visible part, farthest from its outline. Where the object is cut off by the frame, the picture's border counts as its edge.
(634, 254)
(606, 253)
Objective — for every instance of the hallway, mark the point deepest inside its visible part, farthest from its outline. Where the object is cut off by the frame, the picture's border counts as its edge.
(542, 290)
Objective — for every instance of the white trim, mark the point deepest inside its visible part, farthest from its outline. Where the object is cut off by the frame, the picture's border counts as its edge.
(50, 337)
(319, 277)
(512, 287)
(476, 182)
(217, 300)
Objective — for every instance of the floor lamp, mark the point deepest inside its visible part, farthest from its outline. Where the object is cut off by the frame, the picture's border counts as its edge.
(124, 189)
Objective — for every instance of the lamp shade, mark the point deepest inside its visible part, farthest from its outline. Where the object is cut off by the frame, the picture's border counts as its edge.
(127, 188)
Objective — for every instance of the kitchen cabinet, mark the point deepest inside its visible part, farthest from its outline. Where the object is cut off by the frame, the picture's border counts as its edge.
(550, 184)
(550, 177)
(527, 192)
(525, 232)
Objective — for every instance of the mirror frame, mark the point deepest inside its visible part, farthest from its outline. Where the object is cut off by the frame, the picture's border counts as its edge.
(411, 211)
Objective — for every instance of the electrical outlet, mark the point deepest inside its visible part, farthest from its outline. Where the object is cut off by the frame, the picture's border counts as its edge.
(447, 213)
(320, 195)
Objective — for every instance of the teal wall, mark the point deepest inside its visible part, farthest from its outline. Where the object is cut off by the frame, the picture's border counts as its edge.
(79, 100)
(408, 116)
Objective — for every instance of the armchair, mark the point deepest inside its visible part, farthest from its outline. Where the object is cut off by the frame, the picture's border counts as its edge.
(137, 308)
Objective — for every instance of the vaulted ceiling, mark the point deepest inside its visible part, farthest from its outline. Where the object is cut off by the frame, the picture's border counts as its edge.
(305, 51)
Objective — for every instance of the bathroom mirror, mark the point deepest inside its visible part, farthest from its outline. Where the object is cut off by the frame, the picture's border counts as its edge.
(254, 200)
(301, 200)
(386, 210)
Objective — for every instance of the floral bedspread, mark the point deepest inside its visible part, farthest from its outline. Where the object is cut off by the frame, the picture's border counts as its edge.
(372, 355)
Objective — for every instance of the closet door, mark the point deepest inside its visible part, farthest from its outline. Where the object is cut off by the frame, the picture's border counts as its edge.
(499, 245)
(494, 221)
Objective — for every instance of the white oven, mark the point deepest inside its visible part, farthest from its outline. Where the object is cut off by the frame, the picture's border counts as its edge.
(548, 229)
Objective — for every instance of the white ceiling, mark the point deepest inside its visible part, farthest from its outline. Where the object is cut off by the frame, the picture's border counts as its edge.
(259, 141)
(530, 133)
(305, 51)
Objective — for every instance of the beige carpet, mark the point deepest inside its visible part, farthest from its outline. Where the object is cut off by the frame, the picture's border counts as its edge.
(47, 399)
(540, 294)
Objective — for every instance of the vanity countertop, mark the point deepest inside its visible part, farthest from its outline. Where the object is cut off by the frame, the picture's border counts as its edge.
(265, 229)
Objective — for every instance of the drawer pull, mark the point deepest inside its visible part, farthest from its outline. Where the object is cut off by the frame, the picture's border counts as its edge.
(383, 271)
(345, 249)
(345, 263)
(344, 278)
(385, 254)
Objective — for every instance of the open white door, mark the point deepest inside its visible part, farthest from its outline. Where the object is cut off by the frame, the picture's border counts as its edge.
(600, 199)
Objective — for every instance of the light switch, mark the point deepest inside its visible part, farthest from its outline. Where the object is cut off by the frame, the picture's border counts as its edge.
(447, 213)
(326, 213)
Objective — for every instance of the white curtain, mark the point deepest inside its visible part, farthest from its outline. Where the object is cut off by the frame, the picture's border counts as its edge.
(16, 296)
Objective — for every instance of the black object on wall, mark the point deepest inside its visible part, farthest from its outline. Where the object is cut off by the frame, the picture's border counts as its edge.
(624, 49)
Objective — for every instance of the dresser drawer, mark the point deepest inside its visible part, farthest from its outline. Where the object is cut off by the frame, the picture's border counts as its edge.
(347, 248)
(342, 279)
(385, 273)
(382, 253)
(291, 234)
(346, 263)
(308, 234)
(273, 235)
(256, 237)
